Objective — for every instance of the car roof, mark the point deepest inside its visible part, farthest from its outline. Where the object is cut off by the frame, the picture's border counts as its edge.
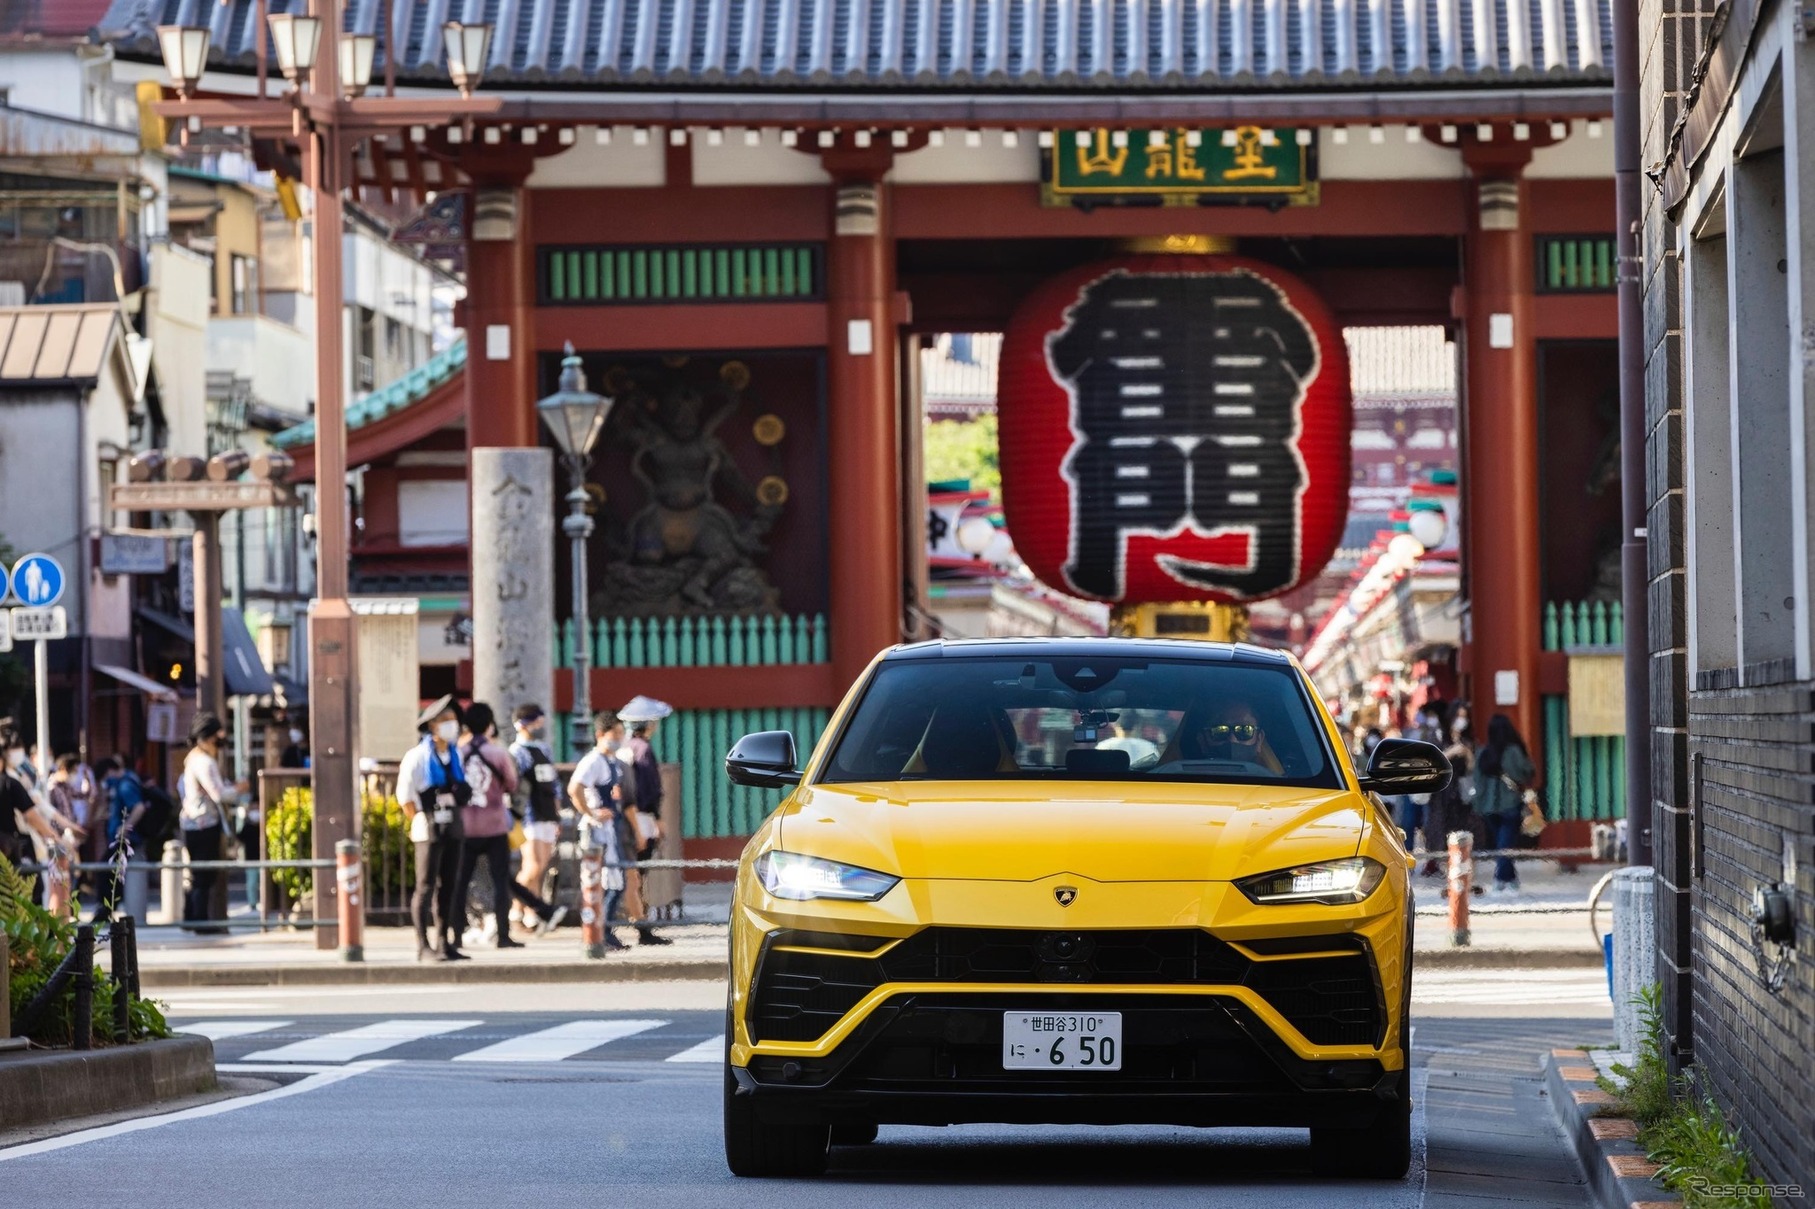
(1088, 647)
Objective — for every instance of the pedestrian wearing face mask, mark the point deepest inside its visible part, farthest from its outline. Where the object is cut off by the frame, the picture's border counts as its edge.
(432, 788)
(296, 754)
(539, 792)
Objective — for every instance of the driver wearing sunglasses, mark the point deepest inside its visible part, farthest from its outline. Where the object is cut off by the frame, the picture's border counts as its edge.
(1231, 732)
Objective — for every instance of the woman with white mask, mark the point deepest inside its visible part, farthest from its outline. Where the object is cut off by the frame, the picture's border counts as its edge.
(433, 790)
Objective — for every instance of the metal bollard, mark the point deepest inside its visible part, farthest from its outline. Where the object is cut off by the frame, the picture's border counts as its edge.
(349, 873)
(56, 882)
(592, 901)
(170, 883)
(132, 956)
(120, 974)
(82, 1012)
(1461, 883)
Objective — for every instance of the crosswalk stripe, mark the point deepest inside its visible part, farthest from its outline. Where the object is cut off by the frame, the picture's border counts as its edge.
(221, 1030)
(710, 1050)
(561, 1041)
(358, 1042)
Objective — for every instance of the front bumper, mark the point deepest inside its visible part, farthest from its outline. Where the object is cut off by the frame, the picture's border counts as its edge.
(933, 1057)
(1232, 1013)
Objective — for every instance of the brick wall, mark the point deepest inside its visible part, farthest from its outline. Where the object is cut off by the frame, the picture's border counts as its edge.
(1733, 769)
(1668, 42)
(1752, 750)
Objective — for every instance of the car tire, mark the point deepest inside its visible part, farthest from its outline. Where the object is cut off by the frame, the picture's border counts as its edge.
(854, 1133)
(1381, 1150)
(759, 1147)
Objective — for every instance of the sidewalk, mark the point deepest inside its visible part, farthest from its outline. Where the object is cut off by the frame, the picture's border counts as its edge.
(1500, 937)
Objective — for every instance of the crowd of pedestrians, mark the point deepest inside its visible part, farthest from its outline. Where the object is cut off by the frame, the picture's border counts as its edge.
(468, 799)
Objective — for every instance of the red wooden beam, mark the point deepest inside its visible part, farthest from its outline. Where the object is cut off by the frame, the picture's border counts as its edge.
(1576, 317)
(790, 685)
(657, 328)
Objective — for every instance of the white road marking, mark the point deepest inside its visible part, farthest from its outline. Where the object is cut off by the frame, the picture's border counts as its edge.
(1573, 986)
(220, 1030)
(561, 1041)
(215, 1109)
(710, 1050)
(358, 1042)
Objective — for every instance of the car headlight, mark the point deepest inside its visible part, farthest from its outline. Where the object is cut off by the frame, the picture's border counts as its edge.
(793, 876)
(1334, 882)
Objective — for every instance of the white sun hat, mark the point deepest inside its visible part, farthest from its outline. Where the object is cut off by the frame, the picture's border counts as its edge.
(644, 709)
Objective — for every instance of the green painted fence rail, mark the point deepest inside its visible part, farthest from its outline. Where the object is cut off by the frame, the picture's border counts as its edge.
(714, 641)
(683, 273)
(697, 740)
(1586, 776)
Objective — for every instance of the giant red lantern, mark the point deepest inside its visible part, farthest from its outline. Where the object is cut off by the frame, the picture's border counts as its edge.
(1175, 428)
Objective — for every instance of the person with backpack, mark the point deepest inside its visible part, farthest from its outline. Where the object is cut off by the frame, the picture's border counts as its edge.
(123, 888)
(432, 789)
(492, 774)
(539, 794)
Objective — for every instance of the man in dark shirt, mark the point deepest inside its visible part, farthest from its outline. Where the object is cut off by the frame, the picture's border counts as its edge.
(643, 715)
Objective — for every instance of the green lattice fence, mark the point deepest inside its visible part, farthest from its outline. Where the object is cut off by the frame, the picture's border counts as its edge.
(697, 740)
(1586, 776)
(716, 641)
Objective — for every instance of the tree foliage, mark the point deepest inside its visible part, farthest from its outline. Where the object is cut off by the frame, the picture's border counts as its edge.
(964, 449)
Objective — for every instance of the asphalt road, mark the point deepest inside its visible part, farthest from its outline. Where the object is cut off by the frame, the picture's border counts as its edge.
(538, 1096)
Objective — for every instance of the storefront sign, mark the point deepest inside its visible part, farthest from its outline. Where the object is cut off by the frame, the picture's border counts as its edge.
(1175, 428)
(1240, 162)
(134, 554)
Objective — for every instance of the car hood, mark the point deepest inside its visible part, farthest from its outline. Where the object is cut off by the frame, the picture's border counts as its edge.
(1106, 832)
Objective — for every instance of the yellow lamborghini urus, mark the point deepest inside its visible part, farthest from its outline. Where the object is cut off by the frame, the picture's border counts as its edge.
(1073, 881)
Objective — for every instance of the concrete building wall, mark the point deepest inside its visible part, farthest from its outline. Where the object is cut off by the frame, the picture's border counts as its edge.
(1727, 275)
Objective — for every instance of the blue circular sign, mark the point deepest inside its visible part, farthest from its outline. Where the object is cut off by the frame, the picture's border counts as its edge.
(38, 581)
(6, 583)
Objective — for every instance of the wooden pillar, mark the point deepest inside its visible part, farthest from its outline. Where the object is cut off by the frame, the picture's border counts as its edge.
(863, 413)
(210, 696)
(501, 386)
(1501, 478)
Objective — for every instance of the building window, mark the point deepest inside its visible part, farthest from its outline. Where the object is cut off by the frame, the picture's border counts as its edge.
(244, 273)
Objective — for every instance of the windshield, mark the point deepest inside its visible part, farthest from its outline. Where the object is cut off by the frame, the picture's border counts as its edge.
(1082, 718)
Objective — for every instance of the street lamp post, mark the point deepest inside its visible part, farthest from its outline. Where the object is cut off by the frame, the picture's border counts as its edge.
(575, 416)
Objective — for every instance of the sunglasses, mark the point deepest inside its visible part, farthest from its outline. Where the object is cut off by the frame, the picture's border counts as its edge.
(1241, 732)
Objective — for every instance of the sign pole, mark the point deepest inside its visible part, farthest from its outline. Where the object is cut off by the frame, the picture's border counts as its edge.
(41, 657)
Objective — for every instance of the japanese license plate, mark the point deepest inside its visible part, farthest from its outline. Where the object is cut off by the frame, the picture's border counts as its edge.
(1061, 1041)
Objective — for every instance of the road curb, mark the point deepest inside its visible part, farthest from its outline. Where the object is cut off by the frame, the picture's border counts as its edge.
(1619, 1174)
(361, 974)
(1467, 958)
(41, 1086)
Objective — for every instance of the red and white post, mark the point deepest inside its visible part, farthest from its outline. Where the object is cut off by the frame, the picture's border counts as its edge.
(1461, 884)
(349, 875)
(592, 900)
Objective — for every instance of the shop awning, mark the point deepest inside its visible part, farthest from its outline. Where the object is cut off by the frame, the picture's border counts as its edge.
(242, 670)
(132, 679)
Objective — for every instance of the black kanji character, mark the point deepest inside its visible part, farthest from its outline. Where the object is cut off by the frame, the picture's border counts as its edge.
(1185, 394)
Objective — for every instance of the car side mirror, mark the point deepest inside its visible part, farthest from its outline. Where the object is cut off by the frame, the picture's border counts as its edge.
(764, 760)
(1407, 766)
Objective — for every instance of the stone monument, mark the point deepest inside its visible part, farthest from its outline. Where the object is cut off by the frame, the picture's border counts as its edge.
(513, 545)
